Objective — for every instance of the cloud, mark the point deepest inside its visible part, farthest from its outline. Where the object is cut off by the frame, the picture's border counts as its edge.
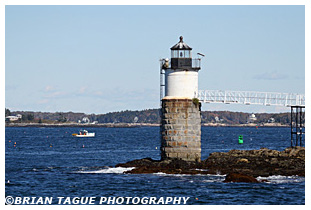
(98, 93)
(49, 88)
(270, 76)
(57, 94)
(82, 89)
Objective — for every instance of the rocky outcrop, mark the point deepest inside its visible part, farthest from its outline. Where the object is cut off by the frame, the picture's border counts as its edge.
(233, 177)
(169, 166)
(251, 163)
(263, 162)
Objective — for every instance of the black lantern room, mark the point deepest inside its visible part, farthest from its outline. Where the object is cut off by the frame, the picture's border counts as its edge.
(181, 57)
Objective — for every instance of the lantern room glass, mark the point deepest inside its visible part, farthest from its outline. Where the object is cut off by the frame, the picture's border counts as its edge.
(187, 54)
(181, 54)
(174, 53)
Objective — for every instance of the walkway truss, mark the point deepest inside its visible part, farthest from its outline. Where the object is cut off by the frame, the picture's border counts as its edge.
(251, 97)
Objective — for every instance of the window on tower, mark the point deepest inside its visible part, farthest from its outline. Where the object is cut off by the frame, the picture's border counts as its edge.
(187, 54)
(175, 53)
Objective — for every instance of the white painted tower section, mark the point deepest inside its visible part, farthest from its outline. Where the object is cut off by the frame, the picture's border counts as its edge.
(181, 84)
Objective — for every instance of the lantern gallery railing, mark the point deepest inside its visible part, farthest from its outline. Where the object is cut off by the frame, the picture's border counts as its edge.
(251, 97)
(195, 64)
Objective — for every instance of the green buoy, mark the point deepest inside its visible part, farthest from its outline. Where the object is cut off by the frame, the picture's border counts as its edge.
(240, 139)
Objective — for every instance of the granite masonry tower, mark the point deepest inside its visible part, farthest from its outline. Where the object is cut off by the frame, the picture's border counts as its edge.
(181, 110)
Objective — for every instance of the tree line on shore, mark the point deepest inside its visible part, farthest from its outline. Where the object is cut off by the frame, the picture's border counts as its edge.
(144, 116)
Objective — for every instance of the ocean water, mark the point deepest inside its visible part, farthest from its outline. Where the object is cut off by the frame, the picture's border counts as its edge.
(49, 162)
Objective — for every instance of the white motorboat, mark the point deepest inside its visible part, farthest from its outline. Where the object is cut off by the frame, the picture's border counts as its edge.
(83, 133)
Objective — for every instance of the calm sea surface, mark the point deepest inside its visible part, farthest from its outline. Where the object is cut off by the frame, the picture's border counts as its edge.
(50, 162)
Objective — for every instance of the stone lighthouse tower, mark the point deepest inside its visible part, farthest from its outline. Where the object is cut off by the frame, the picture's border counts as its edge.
(181, 117)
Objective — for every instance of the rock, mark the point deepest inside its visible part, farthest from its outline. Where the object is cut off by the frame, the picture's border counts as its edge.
(142, 170)
(169, 166)
(242, 160)
(137, 163)
(263, 162)
(233, 177)
(274, 161)
(297, 151)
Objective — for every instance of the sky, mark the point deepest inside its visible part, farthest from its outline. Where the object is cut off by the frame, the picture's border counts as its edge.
(100, 59)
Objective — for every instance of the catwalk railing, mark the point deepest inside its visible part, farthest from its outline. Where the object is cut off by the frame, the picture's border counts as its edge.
(251, 97)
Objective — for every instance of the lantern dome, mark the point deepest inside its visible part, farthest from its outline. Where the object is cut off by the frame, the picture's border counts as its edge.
(181, 45)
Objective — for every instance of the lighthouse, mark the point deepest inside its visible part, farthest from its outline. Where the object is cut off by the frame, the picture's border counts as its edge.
(180, 108)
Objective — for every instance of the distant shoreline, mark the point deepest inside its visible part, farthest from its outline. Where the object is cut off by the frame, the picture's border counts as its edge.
(107, 125)
(133, 125)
